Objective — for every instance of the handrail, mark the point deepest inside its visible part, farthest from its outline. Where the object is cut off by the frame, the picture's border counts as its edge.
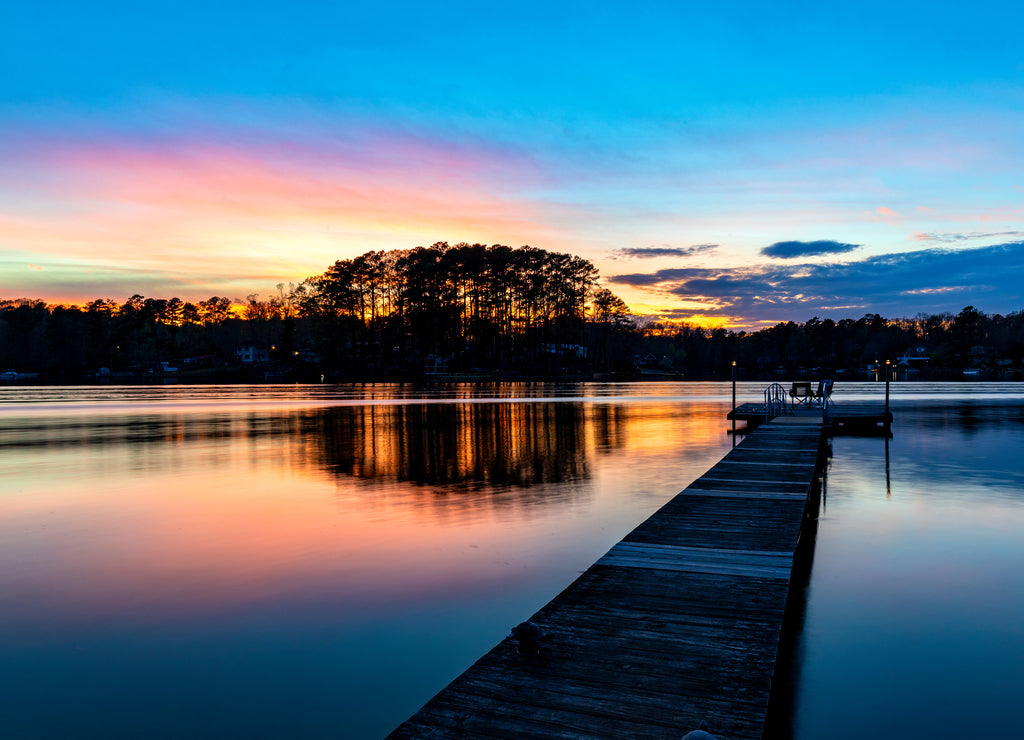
(776, 402)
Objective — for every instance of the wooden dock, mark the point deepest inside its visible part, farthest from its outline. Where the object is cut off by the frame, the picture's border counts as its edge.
(861, 417)
(678, 623)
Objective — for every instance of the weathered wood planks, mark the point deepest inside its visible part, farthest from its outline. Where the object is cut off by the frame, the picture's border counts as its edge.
(679, 622)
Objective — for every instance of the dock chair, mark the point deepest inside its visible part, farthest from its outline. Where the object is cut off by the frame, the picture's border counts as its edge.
(801, 393)
(821, 398)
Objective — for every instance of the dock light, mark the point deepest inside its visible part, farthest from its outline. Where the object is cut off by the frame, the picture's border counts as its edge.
(528, 637)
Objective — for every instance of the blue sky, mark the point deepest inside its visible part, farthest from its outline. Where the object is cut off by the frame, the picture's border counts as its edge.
(193, 150)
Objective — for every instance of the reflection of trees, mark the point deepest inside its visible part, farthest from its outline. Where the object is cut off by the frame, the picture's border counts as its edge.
(470, 446)
(457, 446)
(608, 424)
(969, 417)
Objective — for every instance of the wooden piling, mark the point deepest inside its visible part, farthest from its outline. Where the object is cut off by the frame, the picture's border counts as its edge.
(734, 401)
(888, 416)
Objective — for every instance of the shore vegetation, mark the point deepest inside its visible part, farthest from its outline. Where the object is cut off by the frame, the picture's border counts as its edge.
(468, 311)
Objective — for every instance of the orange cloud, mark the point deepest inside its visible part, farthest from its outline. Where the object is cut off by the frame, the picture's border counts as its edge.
(268, 214)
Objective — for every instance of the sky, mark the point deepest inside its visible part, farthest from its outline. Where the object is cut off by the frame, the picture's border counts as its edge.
(731, 164)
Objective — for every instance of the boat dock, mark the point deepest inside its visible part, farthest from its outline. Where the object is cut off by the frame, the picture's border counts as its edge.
(677, 624)
(861, 417)
(851, 417)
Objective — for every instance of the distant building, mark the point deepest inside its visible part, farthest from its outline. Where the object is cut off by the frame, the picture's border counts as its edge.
(916, 356)
(252, 354)
(435, 364)
(980, 355)
(564, 350)
(649, 360)
(194, 363)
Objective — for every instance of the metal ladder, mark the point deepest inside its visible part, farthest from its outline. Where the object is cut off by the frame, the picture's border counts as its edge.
(776, 402)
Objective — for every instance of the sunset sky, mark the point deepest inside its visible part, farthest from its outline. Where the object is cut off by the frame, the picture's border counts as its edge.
(740, 163)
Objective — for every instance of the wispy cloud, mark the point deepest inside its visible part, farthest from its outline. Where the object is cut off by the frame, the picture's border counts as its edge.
(963, 237)
(267, 211)
(653, 252)
(787, 250)
(935, 291)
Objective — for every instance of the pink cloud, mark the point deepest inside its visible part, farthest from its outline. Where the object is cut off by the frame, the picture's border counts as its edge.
(279, 211)
(883, 213)
(399, 184)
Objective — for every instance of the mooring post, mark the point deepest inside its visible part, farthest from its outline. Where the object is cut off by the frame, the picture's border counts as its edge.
(887, 417)
(888, 481)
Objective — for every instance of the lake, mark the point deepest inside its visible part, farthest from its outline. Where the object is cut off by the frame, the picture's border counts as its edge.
(318, 561)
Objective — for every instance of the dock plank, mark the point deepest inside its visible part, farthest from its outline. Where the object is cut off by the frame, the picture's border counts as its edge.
(677, 623)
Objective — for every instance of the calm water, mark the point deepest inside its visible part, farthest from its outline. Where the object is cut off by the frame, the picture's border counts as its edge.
(319, 560)
(915, 615)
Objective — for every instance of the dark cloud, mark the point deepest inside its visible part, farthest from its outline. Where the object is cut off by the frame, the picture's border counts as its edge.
(661, 277)
(651, 252)
(904, 284)
(807, 249)
(955, 238)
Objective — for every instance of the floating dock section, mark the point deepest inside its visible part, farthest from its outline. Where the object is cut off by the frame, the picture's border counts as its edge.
(857, 417)
(677, 624)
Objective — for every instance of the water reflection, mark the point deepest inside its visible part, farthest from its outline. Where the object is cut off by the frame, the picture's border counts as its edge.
(916, 590)
(970, 442)
(456, 446)
(332, 564)
(306, 566)
(780, 721)
(467, 447)
(968, 417)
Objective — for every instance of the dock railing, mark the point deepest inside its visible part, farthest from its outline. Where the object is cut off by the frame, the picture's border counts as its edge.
(776, 402)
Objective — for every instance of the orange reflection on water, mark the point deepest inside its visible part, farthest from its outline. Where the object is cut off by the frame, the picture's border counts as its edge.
(180, 514)
(186, 543)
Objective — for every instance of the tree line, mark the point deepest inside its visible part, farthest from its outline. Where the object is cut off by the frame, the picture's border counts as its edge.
(462, 310)
(949, 342)
(443, 309)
